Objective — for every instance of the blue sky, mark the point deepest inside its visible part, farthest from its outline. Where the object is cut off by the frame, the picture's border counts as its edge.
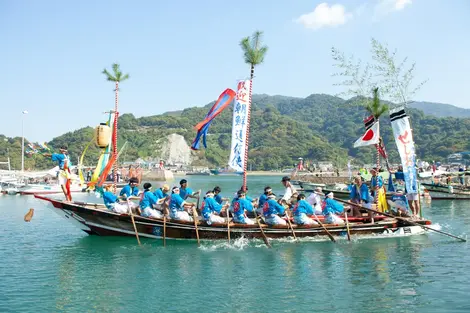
(184, 53)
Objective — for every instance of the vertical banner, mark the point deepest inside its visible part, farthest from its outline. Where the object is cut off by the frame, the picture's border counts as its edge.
(406, 147)
(239, 126)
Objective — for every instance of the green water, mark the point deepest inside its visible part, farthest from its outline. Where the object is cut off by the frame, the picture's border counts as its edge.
(47, 265)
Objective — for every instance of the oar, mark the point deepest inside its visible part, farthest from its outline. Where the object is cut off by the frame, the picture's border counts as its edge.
(228, 223)
(347, 224)
(402, 219)
(265, 239)
(164, 230)
(324, 228)
(29, 215)
(290, 225)
(133, 222)
(198, 197)
(195, 224)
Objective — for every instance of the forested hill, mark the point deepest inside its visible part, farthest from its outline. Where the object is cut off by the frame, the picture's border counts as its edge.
(319, 127)
(441, 109)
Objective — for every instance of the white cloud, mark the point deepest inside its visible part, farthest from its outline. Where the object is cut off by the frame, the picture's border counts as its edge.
(325, 16)
(384, 7)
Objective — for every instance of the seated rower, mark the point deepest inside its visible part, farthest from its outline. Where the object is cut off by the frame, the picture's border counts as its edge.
(399, 204)
(271, 209)
(240, 205)
(112, 201)
(211, 209)
(249, 199)
(331, 209)
(263, 198)
(315, 200)
(130, 190)
(217, 196)
(301, 211)
(148, 203)
(179, 207)
(161, 194)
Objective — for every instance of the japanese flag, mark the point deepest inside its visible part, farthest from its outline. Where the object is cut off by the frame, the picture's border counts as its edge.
(371, 137)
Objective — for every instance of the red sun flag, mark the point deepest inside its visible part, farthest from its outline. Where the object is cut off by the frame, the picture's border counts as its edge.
(371, 136)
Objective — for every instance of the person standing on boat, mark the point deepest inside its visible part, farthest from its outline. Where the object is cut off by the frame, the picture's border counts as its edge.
(315, 200)
(179, 207)
(360, 195)
(375, 181)
(331, 209)
(64, 163)
(263, 198)
(302, 210)
(217, 196)
(290, 190)
(211, 209)
(111, 201)
(271, 211)
(240, 206)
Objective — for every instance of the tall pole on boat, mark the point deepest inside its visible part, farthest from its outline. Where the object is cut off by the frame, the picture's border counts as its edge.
(22, 140)
(253, 53)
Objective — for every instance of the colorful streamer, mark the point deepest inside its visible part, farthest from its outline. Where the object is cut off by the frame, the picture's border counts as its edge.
(224, 100)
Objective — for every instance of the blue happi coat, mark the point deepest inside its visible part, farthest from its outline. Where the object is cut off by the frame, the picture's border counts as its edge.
(210, 205)
(271, 207)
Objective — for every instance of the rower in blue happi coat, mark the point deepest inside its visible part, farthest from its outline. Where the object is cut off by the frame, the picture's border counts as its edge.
(240, 206)
(211, 209)
(246, 197)
(302, 210)
(332, 209)
(271, 211)
(111, 201)
(263, 198)
(148, 203)
(131, 189)
(185, 192)
(178, 207)
(217, 196)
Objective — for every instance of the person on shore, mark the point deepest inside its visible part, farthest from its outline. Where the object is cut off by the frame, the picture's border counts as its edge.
(217, 196)
(263, 198)
(331, 210)
(271, 211)
(131, 189)
(148, 203)
(179, 207)
(360, 195)
(302, 210)
(111, 201)
(211, 209)
(186, 192)
(240, 206)
(290, 190)
(64, 175)
(315, 200)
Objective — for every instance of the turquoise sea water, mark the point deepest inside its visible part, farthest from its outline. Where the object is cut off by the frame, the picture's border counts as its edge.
(48, 265)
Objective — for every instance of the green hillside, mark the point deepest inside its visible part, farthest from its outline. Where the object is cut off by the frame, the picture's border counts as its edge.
(319, 127)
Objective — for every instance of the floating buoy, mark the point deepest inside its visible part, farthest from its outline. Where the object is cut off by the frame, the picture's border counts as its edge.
(103, 135)
(29, 215)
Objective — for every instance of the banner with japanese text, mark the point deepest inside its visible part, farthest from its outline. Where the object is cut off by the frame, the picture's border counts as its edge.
(239, 125)
(406, 147)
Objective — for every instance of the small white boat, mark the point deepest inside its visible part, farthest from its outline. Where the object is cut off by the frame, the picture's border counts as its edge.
(43, 189)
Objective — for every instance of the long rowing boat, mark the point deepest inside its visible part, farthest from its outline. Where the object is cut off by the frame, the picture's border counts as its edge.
(95, 219)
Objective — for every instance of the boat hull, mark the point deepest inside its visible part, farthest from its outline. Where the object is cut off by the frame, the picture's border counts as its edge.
(446, 195)
(102, 222)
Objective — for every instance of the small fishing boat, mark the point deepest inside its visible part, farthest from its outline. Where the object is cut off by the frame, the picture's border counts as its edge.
(449, 195)
(44, 189)
(96, 219)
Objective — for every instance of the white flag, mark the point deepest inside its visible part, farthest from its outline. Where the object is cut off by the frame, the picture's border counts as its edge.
(370, 137)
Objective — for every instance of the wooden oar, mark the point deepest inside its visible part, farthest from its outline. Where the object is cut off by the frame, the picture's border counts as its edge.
(347, 224)
(265, 239)
(195, 224)
(228, 225)
(324, 228)
(290, 225)
(402, 219)
(133, 222)
(29, 215)
(164, 230)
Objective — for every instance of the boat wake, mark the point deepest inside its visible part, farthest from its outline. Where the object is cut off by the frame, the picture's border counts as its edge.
(237, 244)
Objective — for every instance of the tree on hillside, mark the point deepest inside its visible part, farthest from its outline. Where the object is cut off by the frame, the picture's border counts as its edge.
(117, 77)
(253, 54)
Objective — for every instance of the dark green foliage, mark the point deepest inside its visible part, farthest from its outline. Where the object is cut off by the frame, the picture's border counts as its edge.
(319, 127)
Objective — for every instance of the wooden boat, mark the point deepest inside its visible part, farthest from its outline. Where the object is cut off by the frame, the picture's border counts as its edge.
(95, 219)
(444, 188)
(448, 195)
